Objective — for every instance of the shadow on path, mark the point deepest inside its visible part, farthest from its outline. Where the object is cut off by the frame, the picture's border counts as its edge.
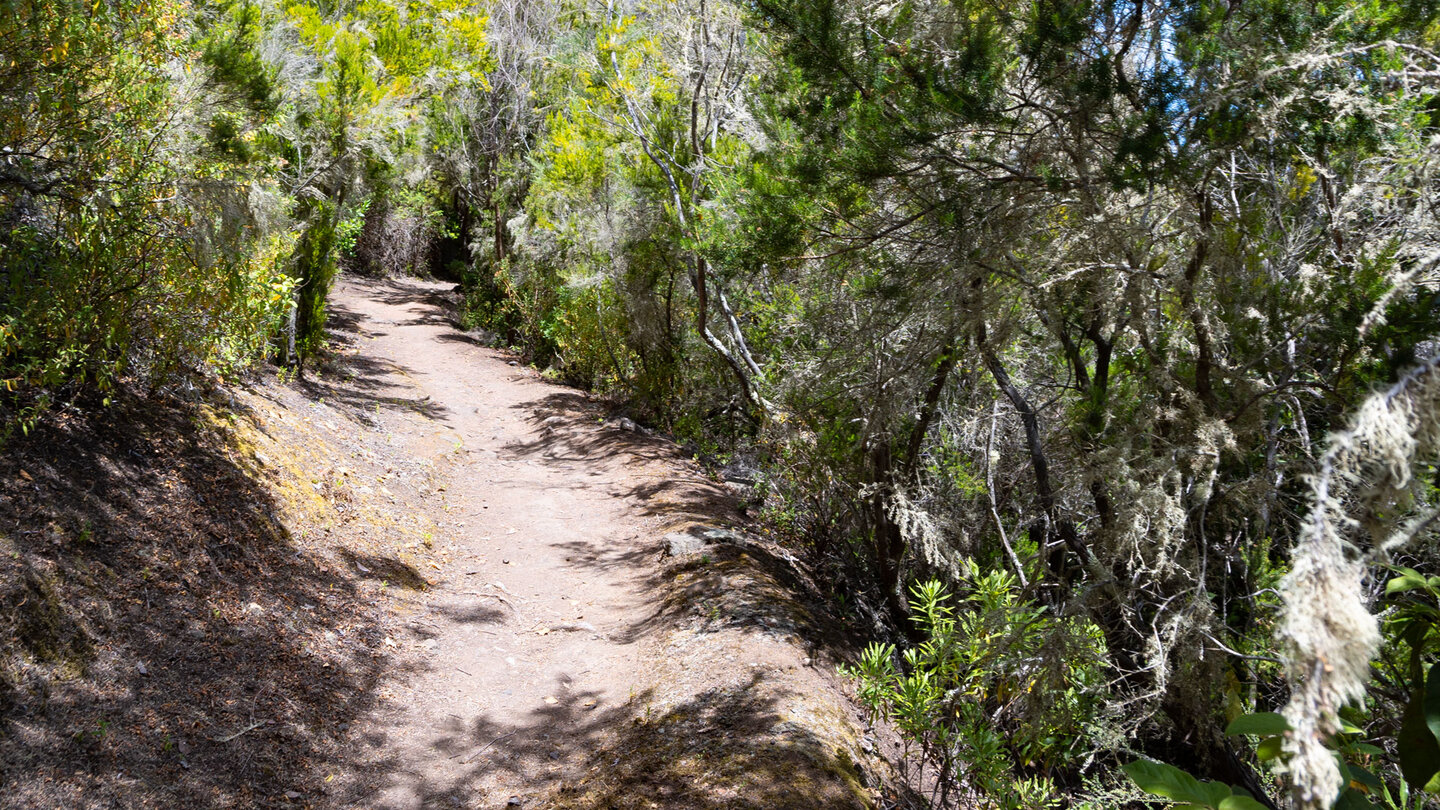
(726, 748)
(350, 377)
(737, 580)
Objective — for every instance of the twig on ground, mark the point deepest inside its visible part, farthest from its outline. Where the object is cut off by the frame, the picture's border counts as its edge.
(238, 734)
(486, 746)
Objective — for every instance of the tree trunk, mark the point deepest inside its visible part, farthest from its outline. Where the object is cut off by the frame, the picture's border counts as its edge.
(287, 347)
(1124, 643)
(497, 213)
(888, 540)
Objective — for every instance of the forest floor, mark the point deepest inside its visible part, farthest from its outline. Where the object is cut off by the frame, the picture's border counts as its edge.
(417, 577)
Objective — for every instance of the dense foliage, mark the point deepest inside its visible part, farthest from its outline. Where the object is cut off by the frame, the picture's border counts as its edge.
(115, 258)
(1044, 309)
(175, 180)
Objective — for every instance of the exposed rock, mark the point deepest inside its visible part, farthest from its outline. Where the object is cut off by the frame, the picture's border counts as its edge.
(629, 425)
(682, 544)
(717, 535)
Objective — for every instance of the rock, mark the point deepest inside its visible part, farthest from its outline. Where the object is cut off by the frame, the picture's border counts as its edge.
(717, 535)
(680, 544)
(629, 425)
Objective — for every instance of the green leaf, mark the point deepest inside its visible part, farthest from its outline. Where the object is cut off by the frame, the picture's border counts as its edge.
(1432, 701)
(1364, 777)
(1173, 783)
(1354, 800)
(1419, 750)
(1270, 748)
(1261, 723)
(1241, 803)
(1409, 579)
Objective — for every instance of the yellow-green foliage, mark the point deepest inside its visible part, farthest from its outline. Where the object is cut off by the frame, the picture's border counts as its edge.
(102, 277)
(162, 167)
(589, 335)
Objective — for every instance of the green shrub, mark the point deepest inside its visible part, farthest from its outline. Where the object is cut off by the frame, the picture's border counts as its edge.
(126, 257)
(314, 274)
(996, 686)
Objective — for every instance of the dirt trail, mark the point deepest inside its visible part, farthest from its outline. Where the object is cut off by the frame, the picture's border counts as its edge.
(560, 655)
(417, 576)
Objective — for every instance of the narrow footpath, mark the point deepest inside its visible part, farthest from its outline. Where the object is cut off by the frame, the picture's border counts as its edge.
(595, 632)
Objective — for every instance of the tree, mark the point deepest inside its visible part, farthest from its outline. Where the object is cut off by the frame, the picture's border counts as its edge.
(1127, 217)
(107, 209)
